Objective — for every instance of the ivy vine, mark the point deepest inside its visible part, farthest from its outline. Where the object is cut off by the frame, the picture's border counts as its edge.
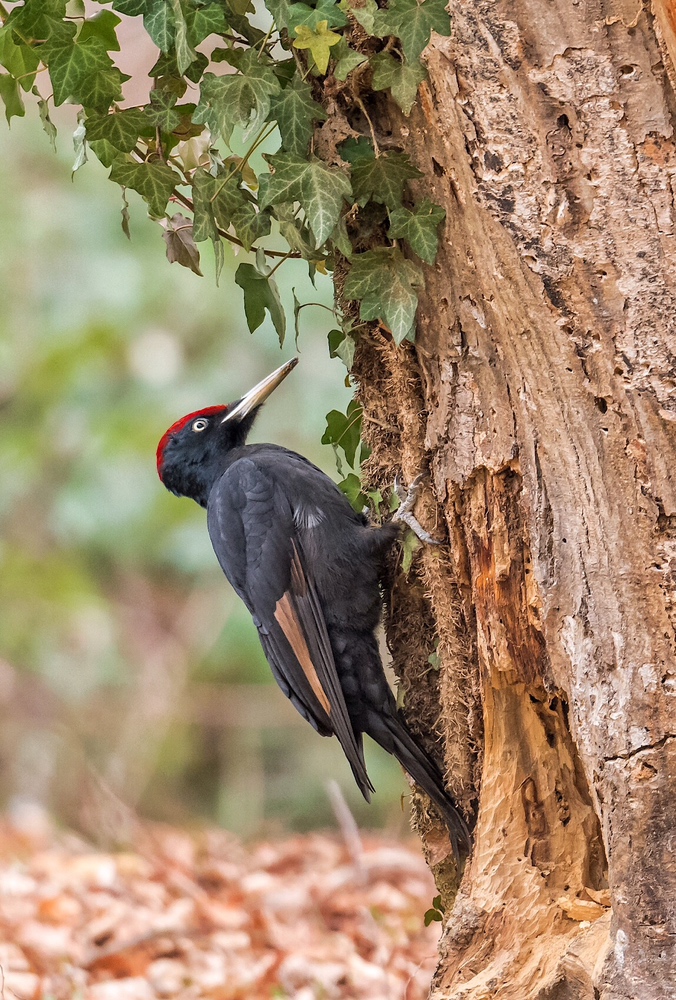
(289, 69)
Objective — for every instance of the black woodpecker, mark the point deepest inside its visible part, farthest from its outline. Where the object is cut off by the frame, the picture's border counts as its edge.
(308, 568)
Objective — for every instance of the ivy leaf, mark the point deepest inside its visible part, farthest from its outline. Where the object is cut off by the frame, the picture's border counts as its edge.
(205, 21)
(343, 346)
(38, 18)
(384, 283)
(343, 430)
(363, 14)
(19, 60)
(347, 59)
(11, 97)
(412, 23)
(161, 111)
(155, 182)
(356, 151)
(47, 123)
(124, 212)
(296, 234)
(351, 487)
(295, 111)
(82, 72)
(341, 239)
(221, 201)
(101, 26)
(401, 78)
(409, 546)
(318, 41)
(319, 189)
(180, 243)
(132, 8)
(382, 179)
(204, 224)
(281, 12)
(185, 54)
(79, 143)
(104, 151)
(312, 17)
(419, 227)
(159, 22)
(261, 293)
(121, 129)
(237, 99)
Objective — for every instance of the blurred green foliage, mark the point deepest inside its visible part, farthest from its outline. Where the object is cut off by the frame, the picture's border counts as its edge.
(114, 615)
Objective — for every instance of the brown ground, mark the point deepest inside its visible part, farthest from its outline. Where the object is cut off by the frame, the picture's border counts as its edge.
(203, 916)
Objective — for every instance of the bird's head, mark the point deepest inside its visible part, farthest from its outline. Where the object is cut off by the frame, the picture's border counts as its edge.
(191, 454)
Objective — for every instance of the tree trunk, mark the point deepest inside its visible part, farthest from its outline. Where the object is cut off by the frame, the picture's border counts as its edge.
(539, 394)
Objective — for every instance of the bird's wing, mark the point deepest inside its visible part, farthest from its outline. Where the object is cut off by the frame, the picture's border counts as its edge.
(259, 545)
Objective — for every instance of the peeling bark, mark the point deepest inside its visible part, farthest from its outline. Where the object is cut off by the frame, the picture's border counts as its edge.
(540, 396)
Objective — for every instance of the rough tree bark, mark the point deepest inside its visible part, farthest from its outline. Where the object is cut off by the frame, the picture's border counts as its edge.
(539, 395)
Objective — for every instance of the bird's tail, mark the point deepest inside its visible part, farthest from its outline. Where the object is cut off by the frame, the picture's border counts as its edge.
(391, 732)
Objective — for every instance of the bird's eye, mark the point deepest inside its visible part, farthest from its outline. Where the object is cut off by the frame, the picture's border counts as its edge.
(200, 425)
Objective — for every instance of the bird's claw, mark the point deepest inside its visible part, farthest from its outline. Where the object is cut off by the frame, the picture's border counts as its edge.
(404, 512)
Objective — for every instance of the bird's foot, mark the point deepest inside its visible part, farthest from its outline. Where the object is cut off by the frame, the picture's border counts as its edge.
(404, 512)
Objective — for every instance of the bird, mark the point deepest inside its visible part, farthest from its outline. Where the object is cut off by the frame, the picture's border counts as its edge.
(309, 569)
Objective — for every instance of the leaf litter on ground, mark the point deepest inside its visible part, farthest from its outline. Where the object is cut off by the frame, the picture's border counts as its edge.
(203, 916)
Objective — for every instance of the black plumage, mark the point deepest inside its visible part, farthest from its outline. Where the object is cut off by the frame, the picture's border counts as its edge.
(308, 568)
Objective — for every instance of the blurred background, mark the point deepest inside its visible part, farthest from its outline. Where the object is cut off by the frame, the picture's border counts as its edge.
(131, 678)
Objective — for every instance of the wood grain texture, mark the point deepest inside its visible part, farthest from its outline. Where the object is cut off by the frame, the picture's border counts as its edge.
(546, 368)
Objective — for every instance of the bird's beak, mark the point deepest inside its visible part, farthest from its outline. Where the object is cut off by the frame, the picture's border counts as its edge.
(260, 392)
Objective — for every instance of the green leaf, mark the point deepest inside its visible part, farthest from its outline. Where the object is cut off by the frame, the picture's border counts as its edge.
(384, 283)
(181, 247)
(79, 143)
(132, 8)
(121, 129)
(261, 293)
(296, 234)
(38, 18)
(47, 123)
(431, 915)
(356, 151)
(340, 238)
(185, 54)
(412, 23)
(20, 60)
(319, 189)
(295, 111)
(104, 151)
(382, 179)
(205, 21)
(363, 14)
(101, 26)
(347, 59)
(409, 546)
(351, 487)
(11, 97)
(155, 182)
(204, 224)
(124, 212)
(419, 227)
(325, 10)
(81, 72)
(159, 22)
(237, 99)
(318, 41)
(161, 111)
(223, 202)
(343, 346)
(343, 430)
(401, 78)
